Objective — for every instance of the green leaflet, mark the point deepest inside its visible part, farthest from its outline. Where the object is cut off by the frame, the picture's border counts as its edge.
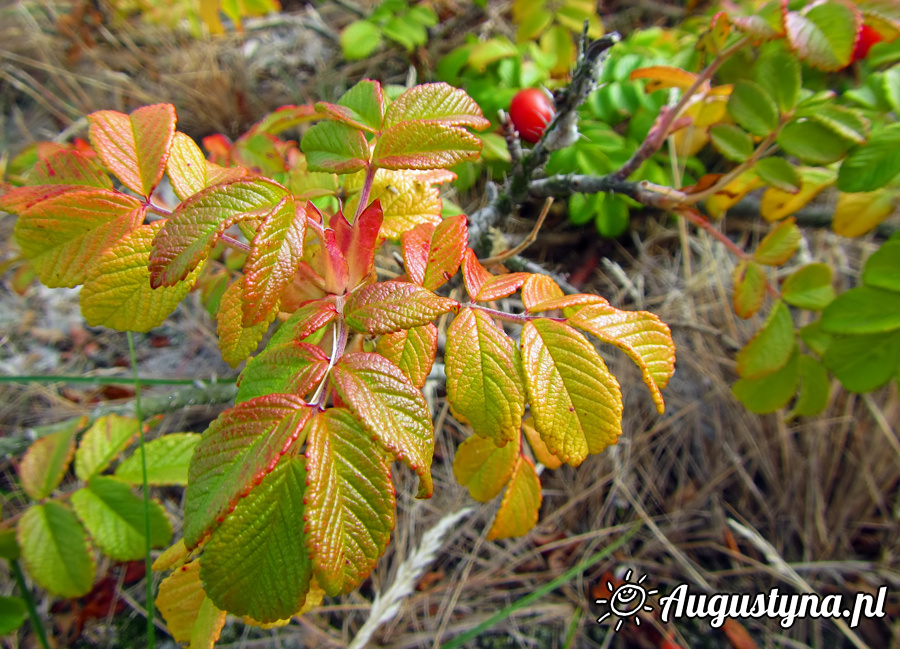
(412, 350)
(102, 442)
(349, 501)
(484, 376)
(12, 614)
(862, 310)
(114, 517)
(424, 145)
(236, 341)
(289, 367)
(256, 564)
(436, 102)
(335, 147)
(361, 107)
(771, 392)
(47, 459)
(168, 458)
(771, 347)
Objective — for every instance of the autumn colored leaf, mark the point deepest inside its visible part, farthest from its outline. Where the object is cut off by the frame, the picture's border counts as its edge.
(287, 366)
(538, 289)
(521, 503)
(69, 167)
(483, 467)
(777, 204)
(541, 453)
(856, 214)
(236, 341)
(361, 107)
(433, 254)
(771, 347)
(749, 287)
(107, 437)
(640, 334)
(765, 24)
(180, 600)
(484, 287)
(167, 457)
(187, 237)
(823, 34)
(135, 147)
(63, 235)
(392, 410)
(240, 447)
(47, 459)
(780, 244)
(349, 501)
(567, 303)
(576, 403)
(117, 292)
(436, 102)
(256, 563)
(190, 172)
(412, 350)
(394, 305)
(732, 193)
(335, 147)
(208, 625)
(664, 76)
(19, 199)
(424, 145)
(358, 242)
(484, 376)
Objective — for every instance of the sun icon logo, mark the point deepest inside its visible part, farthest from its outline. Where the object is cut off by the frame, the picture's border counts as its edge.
(627, 600)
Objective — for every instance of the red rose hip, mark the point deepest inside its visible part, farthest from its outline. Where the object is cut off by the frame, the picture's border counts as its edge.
(864, 42)
(531, 110)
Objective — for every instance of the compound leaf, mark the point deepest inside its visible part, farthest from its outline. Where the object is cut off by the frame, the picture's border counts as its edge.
(780, 244)
(237, 450)
(102, 442)
(521, 503)
(236, 341)
(576, 403)
(394, 305)
(256, 563)
(436, 102)
(349, 501)
(391, 409)
(749, 287)
(55, 550)
(412, 350)
(484, 376)
(771, 347)
(47, 459)
(168, 459)
(335, 147)
(114, 517)
(424, 145)
(484, 468)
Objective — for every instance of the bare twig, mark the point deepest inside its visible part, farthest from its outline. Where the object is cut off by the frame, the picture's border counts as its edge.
(530, 239)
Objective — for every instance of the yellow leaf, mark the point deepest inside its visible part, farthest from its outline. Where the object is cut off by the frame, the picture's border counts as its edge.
(208, 625)
(179, 600)
(728, 196)
(172, 557)
(541, 453)
(483, 467)
(776, 204)
(856, 214)
(236, 341)
(521, 504)
(664, 76)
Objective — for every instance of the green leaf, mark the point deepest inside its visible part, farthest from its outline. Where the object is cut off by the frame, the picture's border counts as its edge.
(766, 22)
(732, 141)
(361, 107)
(168, 459)
(641, 335)
(9, 548)
(12, 614)
(47, 459)
(874, 164)
(435, 103)
(424, 145)
(63, 235)
(862, 310)
(816, 339)
(69, 168)
(134, 147)
(864, 363)
(812, 141)
(188, 236)
(291, 367)
(335, 147)
(390, 408)
(753, 108)
(576, 403)
(778, 71)
(360, 39)
(883, 267)
(208, 626)
(484, 468)
(749, 287)
(55, 550)
(394, 305)
(891, 83)
(814, 388)
(823, 34)
(845, 122)
(809, 287)
(408, 33)
(432, 254)
(612, 215)
(412, 350)
(236, 341)
(256, 564)
(484, 376)
(779, 244)
(117, 291)
(349, 501)
(768, 394)
(240, 447)
(107, 437)
(521, 503)
(771, 347)
(778, 173)
(114, 517)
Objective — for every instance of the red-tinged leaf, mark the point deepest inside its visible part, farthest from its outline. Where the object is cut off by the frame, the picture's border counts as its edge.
(474, 274)
(117, 292)
(281, 119)
(288, 367)
(236, 341)
(63, 236)
(771, 348)
(641, 335)
(237, 450)
(189, 235)
(359, 241)
(69, 167)
(349, 501)
(361, 107)
(256, 562)
(412, 350)
(664, 76)
(424, 145)
(47, 459)
(19, 199)
(484, 377)
(187, 167)
(780, 244)
(541, 453)
(391, 409)
(823, 34)
(567, 302)
(749, 288)
(500, 286)
(416, 246)
(394, 305)
(335, 147)
(538, 289)
(436, 102)
(336, 272)
(766, 23)
(216, 175)
(484, 468)
(521, 503)
(433, 254)
(275, 253)
(306, 286)
(576, 403)
(134, 147)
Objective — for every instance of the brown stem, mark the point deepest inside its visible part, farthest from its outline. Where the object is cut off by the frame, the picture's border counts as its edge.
(532, 236)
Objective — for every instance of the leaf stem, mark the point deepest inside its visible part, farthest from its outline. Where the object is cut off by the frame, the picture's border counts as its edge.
(151, 631)
(366, 190)
(231, 242)
(515, 318)
(338, 344)
(36, 624)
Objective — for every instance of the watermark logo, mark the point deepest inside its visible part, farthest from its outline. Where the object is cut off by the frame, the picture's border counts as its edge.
(628, 599)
